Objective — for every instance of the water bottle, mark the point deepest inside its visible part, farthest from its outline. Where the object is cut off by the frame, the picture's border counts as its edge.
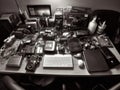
(92, 25)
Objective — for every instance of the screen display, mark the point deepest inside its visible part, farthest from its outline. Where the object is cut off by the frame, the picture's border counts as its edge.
(39, 10)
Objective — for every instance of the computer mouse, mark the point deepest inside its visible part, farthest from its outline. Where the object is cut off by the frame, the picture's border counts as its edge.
(80, 63)
(78, 55)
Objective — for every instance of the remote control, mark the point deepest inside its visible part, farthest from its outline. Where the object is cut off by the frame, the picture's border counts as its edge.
(109, 57)
(33, 62)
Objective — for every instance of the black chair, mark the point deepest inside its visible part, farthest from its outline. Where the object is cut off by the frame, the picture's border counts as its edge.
(112, 19)
(28, 82)
(11, 84)
(112, 29)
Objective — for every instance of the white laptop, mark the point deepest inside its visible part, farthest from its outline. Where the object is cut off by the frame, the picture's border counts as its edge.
(58, 61)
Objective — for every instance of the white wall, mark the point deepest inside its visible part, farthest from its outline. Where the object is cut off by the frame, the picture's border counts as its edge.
(9, 5)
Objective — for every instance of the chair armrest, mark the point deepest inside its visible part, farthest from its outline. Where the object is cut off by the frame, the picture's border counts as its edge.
(115, 87)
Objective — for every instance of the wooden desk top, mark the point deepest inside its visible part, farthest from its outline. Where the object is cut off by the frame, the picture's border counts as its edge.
(76, 71)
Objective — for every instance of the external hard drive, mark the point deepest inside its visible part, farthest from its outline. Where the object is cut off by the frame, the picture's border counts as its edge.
(15, 61)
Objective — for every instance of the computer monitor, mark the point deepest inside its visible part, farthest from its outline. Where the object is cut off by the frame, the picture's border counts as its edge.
(39, 10)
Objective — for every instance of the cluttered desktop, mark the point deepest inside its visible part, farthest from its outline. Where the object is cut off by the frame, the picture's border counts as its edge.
(65, 43)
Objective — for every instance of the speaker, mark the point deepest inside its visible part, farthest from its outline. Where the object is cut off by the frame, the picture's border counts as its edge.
(5, 30)
(8, 22)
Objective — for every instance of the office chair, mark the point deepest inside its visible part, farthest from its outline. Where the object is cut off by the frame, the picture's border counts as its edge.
(27, 83)
(11, 84)
(112, 19)
(115, 87)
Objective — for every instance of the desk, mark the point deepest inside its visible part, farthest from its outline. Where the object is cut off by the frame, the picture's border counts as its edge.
(76, 71)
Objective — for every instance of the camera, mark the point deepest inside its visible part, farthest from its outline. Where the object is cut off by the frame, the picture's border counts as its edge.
(33, 62)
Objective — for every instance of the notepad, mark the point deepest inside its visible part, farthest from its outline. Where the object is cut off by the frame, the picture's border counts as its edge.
(58, 61)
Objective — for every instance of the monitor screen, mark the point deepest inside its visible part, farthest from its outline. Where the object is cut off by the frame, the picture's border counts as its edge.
(39, 10)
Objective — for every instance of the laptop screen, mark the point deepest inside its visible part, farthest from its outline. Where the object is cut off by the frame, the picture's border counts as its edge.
(39, 10)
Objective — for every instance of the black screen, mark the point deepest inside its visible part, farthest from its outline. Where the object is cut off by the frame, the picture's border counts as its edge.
(39, 10)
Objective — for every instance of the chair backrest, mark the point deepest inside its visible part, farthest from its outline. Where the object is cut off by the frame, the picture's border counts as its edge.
(11, 84)
(112, 21)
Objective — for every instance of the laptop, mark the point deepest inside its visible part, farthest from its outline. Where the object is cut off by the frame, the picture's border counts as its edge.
(95, 61)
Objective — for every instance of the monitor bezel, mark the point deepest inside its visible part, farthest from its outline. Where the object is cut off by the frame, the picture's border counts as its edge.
(35, 6)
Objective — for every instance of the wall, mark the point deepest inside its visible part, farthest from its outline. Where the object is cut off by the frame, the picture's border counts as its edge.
(9, 5)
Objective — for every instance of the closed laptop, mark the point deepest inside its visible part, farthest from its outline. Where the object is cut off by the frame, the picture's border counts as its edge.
(95, 61)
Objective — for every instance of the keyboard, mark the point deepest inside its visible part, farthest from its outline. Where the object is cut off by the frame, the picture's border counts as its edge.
(58, 61)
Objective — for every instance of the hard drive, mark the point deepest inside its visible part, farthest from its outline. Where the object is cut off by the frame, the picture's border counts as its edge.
(15, 61)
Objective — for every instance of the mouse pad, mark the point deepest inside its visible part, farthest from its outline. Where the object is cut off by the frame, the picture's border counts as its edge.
(95, 61)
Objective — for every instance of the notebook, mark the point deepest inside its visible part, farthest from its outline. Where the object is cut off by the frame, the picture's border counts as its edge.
(58, 61)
